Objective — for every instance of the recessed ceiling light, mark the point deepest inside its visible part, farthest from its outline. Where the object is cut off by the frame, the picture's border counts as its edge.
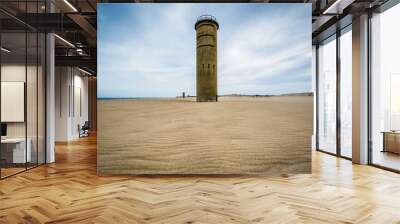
(338, 6)
(70, 5)
(5, 50)
(64, 40)
(84, 71)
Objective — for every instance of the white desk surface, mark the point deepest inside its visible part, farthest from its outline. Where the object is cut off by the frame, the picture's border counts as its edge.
(13, 140)
(21, 154)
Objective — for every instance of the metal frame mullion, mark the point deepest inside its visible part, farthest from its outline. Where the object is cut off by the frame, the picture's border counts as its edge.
(338, 91)
(37, 90)
(0, 96)
(44, 79)
(369, 94)
(26, 86)
(317, 97)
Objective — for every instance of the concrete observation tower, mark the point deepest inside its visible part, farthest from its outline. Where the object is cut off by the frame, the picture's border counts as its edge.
(206, 58)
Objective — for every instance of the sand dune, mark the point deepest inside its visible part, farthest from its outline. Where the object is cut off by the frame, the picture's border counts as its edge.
(237, 135)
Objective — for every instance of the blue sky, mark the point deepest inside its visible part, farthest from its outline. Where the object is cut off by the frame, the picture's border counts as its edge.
(148, 50)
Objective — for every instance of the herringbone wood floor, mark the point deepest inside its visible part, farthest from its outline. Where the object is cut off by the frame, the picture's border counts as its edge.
(69, 191)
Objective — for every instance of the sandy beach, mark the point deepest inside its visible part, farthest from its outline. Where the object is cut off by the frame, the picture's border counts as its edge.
(237, 135)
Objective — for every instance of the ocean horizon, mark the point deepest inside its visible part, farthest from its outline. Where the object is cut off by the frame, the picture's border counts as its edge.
(224, 95)
(133, 98)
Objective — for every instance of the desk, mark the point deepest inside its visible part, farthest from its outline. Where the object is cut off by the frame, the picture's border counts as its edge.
(16, 147)
(391, 141)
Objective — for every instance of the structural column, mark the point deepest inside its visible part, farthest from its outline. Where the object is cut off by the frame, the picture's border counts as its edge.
(360, 89)
(50, 92)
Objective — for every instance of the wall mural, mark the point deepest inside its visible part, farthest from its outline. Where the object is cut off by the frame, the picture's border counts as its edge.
(204, 89)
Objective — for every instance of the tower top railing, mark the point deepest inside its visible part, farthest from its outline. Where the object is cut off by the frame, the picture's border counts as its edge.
(206, 18)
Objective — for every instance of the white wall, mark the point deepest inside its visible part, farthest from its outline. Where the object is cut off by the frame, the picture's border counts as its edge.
(79, 117)
(62, 83)
(70, 83)
(12, 73)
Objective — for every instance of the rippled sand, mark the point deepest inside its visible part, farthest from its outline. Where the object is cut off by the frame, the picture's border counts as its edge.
(237, 135)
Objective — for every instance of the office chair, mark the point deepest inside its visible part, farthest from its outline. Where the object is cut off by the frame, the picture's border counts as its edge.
(84, 130)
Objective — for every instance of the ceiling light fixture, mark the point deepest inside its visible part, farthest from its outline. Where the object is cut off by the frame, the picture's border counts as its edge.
(79, 51)
(70, 5)
(84, 71)
(5, 50)
(65, 41)
(337, 7)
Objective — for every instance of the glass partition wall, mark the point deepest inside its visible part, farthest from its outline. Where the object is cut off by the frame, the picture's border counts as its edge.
(22, 98)
(385, 89)
(13, 85)
(334, 89)
(345, 61)
(327, 95)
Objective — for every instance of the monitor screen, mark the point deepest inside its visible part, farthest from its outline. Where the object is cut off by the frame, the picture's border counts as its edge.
(3, 129)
